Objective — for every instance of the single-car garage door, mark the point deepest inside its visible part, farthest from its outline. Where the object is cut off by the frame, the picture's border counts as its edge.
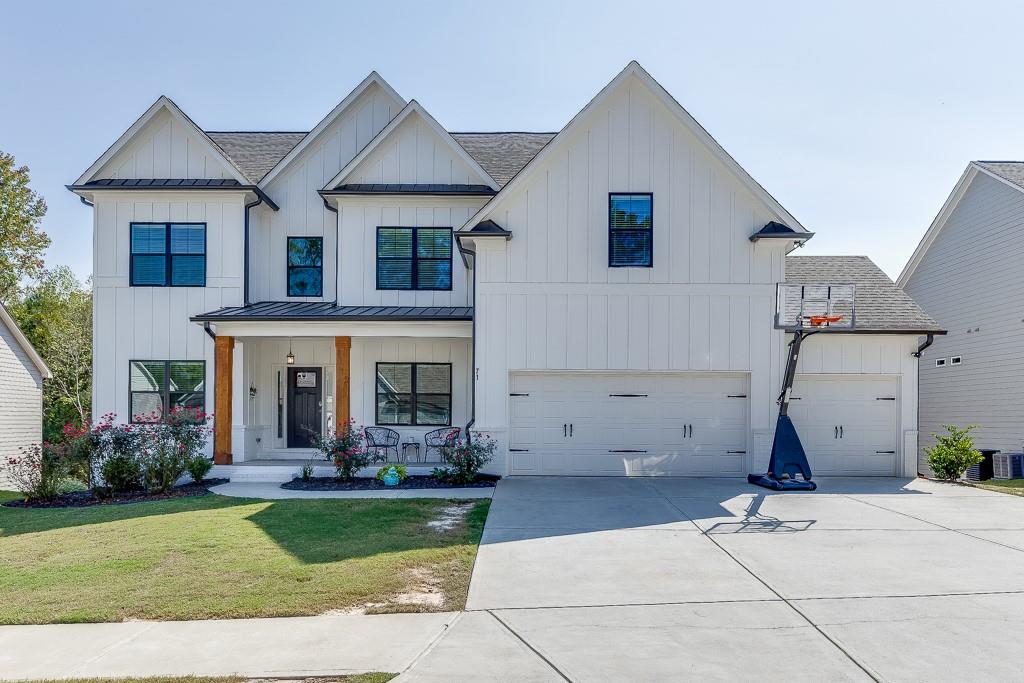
(847, 424)
(606, 424)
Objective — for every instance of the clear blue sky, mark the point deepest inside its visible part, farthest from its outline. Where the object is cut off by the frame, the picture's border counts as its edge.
(858, 117)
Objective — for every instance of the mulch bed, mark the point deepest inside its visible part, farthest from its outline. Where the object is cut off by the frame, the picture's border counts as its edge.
(417, 481)
(88, 499)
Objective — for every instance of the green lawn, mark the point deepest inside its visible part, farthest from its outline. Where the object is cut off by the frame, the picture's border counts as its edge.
(1011, 486)
(220, 557)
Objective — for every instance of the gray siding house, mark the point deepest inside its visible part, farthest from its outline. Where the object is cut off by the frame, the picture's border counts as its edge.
(22, 372)
(968, 274)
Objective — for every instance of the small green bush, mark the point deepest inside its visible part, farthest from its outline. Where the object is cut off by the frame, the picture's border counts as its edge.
(70, 485)
(953, 453)
(399, 470)
(122, 472)
(198, 466)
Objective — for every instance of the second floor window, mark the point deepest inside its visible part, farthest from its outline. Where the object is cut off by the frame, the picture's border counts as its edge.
(630, 230)
(168, 255)
(414, 258)
(305, 266)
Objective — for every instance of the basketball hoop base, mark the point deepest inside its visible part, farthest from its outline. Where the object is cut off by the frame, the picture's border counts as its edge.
(787, 460)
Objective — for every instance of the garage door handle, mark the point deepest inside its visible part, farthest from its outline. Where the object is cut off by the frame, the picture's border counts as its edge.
(518, 394)
(885, 398)
(629, 395)
(565, 431)
(626, 450)
(736, 396)
(835, 430)
(735, 451)
(570, 430)
(893, 452)
(840, 431)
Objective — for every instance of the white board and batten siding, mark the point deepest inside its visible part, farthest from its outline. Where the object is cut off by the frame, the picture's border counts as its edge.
(547, 299)
(152, 323)
(969, 280)
(302, 212)
(21, 401)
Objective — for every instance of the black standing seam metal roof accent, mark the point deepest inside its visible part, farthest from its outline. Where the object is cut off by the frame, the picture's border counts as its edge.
(411, 188)
(776, 230)
(189, 184)
(487, 228)
(284, 311)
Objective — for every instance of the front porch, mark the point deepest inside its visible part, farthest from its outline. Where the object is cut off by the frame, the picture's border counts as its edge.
(279, 386)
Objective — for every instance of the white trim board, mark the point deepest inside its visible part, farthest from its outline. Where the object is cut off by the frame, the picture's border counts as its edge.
(413, 107)
(372, 79)
(715, 149)
(162, 103)
(25, 344)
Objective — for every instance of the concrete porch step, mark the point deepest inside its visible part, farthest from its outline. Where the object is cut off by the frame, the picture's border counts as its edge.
(269, 471)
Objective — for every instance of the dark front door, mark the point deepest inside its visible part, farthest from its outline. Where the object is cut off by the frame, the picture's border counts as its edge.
(304, 407)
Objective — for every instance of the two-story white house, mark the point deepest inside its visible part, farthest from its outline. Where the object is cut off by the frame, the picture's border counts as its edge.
(600, 301)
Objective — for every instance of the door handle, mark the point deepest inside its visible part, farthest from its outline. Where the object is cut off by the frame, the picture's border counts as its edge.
(840, 431)
(835, 430)
(691, 430)
(570, 430)
(564, 433)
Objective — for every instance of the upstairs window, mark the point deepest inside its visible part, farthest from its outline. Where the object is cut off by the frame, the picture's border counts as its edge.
(414, 258)
(305, 266)
(630, 230)
(168, 255)
(158, 386)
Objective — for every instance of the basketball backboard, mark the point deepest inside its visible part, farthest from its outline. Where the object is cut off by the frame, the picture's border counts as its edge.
(815, 306)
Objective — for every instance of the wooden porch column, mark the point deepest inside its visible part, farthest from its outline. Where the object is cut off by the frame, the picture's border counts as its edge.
(224, 348)
(342, 382)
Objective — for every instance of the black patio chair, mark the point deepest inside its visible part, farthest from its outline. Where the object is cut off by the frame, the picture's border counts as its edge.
(441, 440)
(380, 441)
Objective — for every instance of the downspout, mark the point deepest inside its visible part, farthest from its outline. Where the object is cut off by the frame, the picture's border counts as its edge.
(927, 342)
(472, 341)
(245, 280)
(337, 260)
(917, 417)
(209, 331)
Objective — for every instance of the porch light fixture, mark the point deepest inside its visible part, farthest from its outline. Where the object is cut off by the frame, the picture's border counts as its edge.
(290, 358)
(252, 391)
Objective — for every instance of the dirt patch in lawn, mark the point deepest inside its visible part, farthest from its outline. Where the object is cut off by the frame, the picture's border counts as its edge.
(451, 516)
(416, 481)
(81, 499)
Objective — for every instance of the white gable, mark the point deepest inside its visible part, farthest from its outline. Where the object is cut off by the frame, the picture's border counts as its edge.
(163, 143)
(413, 148)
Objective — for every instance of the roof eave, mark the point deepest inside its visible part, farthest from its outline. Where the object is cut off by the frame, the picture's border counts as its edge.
(80, 189)
(796, 236)
(326, 318)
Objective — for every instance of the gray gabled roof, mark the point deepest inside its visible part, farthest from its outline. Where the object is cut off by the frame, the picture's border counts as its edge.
(255, 153)
(1011, 171)
(503, 155)
(880, 305)
(329, 311)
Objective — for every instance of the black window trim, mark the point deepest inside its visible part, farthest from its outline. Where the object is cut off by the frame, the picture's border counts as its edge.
(415, 259)
(165, 393)
(167, 252)
(412, 393)
(288, 267)
(650, 262)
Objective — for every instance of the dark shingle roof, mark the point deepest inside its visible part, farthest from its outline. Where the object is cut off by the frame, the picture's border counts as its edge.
(502, 155)
(1013, 171)
(255, 153)
(326, 310)
(881, 306)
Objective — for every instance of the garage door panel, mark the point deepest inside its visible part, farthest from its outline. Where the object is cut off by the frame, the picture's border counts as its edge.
(683, 424)
(847, 424)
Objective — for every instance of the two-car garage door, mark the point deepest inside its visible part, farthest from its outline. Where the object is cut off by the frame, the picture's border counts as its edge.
(619, 424)
(691, 424)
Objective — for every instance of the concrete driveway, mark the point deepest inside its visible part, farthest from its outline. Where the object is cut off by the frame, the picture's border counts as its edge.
(712, 579)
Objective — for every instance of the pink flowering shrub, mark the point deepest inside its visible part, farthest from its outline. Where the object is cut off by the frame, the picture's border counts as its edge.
(345, 450)
(37, 471)
(466, 457)
(168, 448)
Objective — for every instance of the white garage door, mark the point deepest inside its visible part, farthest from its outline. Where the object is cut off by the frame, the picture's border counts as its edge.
(642, 423)
(847, 425)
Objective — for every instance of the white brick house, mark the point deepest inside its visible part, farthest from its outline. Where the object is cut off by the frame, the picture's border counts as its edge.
(599, 300)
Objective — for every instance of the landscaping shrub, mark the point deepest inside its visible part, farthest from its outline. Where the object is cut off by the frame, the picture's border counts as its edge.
(345, 450)
(398, 469)
(38, 471)
(198, 467)
(953, 453)
(70, 485)
(121, 472)
(466, 458)
(169, 447)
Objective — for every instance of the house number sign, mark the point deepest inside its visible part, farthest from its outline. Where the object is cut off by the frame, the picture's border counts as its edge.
(305, 379)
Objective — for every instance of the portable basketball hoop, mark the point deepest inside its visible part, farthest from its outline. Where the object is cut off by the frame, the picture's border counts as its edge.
(802, 310)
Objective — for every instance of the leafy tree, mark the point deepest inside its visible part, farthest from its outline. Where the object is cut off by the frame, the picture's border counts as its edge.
(953, 453)
(22, 242)
(55, 313)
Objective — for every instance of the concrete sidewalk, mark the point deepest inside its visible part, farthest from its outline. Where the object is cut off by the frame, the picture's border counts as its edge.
(288, 647)
(273, 491)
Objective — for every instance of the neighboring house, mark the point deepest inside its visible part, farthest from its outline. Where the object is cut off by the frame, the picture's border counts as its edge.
(22, 372)
(599, 301)
(967, 274)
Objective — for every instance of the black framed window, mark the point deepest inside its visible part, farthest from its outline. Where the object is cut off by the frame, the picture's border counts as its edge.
(305, 266)
(414, 258)
(157, 386)
(414, 394)
(630, 230)
(168, 255)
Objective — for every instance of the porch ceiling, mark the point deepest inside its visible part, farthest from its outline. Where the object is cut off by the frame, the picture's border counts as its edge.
(320, 311)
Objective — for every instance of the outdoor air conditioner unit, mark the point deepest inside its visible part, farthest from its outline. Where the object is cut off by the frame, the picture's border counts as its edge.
(1008, 466)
